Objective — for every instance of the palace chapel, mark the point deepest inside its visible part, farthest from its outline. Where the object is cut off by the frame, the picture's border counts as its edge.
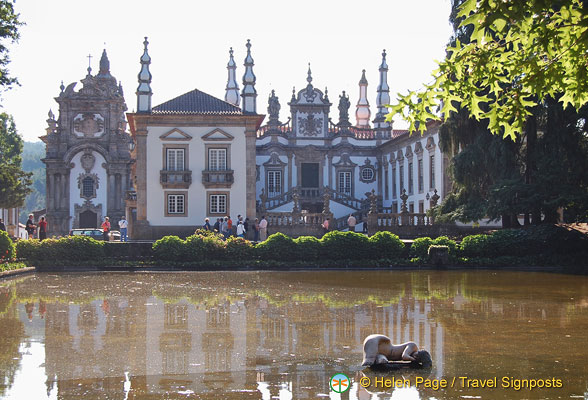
(198, 156)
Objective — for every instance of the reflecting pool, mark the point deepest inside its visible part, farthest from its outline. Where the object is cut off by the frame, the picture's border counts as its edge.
(283, 335)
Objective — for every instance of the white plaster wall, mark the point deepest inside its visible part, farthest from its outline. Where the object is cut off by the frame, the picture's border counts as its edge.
(74, 190)
(197, 196)
(259, 160)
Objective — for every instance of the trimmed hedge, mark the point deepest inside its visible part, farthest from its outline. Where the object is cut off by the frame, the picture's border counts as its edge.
(7, 250)
(536, 244)
(70, 248)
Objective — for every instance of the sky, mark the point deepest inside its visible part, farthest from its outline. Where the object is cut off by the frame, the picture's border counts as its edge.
(190, 40)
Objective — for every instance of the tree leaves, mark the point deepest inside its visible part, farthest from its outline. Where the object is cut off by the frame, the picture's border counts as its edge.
(517, 54)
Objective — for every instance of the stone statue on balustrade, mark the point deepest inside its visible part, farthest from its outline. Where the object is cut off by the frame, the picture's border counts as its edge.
(262, 201)
(273, 109)
(344, 105)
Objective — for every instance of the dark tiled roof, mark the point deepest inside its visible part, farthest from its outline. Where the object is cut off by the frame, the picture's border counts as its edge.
(196, 102)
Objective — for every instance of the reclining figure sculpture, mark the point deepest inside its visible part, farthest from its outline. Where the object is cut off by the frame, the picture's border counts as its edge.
(380, 353)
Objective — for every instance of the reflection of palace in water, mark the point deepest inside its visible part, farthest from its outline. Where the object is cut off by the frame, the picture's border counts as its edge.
(225, 347)
(269, 340)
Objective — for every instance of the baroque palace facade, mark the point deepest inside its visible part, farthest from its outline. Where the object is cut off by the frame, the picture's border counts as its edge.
(197, 156)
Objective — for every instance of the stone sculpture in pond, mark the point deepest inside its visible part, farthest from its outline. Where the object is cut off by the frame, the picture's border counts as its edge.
(379, 353)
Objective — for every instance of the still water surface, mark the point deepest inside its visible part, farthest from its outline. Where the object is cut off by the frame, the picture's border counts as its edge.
(270, 335)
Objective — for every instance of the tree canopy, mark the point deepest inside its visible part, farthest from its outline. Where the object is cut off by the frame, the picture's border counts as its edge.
(517, 54)
(14, 182)
(9, 24)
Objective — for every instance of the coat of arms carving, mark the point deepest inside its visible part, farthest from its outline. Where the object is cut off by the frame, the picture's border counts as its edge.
(87, 160)
(310, 126)
(88, 125)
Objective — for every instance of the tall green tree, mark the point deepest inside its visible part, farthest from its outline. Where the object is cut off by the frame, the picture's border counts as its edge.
(518, 54)
(537, 173)
(9, 25)
(14, 182)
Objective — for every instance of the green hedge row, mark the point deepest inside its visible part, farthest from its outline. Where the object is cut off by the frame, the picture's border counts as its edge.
(547, 241)
(334, 245)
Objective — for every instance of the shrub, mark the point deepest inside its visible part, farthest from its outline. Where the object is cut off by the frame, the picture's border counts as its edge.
(476, 246)
(346, 246)
(277, 247)
(386, 245)
(209, 246)
(170, 248)
(308, 248)
(7, 249)
(68, 249)
(237, 249)
(420, 248)
(445, 241)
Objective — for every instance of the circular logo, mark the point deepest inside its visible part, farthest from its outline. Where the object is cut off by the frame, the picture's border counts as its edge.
(339, 383)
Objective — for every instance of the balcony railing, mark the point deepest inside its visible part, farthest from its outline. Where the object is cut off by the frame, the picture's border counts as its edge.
(175, 179)
(218, 179)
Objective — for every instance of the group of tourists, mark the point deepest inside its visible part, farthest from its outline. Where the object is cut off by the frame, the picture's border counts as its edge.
(225, 227)
(123, 225)
(31, 228)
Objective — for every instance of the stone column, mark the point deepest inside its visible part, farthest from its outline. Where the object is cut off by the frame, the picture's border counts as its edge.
(50, 191)
(250, 136)
(111, 193)
(141, 171)
(65, 193)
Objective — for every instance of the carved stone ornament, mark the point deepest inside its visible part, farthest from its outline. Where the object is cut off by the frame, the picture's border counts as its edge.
(367, 172)
(326, 201)
(87, 160)
(88, 125)
(373, 202)
(310, 126)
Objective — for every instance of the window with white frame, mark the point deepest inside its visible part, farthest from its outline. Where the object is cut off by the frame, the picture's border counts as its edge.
(217, 159)
(345, 182)
(274, 182)
(218, 203)
(175, 159)
(175, 204)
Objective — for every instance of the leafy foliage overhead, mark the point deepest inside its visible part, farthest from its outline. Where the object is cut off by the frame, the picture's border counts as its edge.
(518, 53)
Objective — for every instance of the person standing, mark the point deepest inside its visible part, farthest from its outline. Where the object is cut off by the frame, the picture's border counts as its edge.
(207, 224)
(230, 226)
(123, 225)
(30, 227)
(246, 226)
(2, 226)
(106, 228)
(325, 226)
(256, 230)
(217, 225)
(241, 229)
(42, 229)
(351, 222)
(263, 229)
(225, 227)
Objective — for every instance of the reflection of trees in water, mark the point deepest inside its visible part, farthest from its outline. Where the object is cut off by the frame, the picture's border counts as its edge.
(11, 335)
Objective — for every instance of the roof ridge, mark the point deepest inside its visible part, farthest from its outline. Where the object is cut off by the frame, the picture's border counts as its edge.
(196, 101)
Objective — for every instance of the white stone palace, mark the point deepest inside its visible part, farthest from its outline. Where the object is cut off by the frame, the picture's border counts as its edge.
(197, 156)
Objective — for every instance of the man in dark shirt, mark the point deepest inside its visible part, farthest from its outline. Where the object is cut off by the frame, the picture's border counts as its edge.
(30, 227)
(2, 226)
